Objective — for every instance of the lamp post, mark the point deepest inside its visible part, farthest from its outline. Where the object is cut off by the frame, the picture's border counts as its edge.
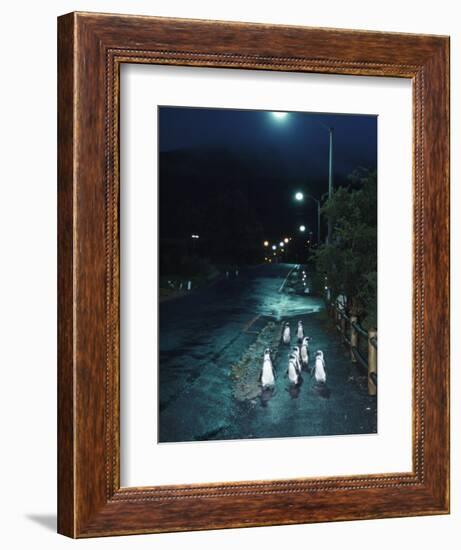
(330, 174)
(299, 196)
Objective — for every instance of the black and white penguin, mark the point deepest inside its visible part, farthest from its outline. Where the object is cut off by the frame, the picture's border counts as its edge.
(297, 354)
(292, 357)
(292, 371)
(267, 376)
(300, 332)
(318, 371)
(305, 352)
(286, 334)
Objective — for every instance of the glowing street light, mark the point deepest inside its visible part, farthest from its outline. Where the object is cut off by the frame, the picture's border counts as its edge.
(299, 196)
(274, 247)
(286, 240)
(195, 236)
(266, 243)
(302, 228)
(279, 115)
(281, 244)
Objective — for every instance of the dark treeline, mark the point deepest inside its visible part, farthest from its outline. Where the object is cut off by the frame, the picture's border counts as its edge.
(233, 202)
(350, 261)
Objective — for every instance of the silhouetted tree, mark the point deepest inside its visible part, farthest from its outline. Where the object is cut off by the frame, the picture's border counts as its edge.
(349, 262)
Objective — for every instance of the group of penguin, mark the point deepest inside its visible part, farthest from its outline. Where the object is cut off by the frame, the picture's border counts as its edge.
(298, 359)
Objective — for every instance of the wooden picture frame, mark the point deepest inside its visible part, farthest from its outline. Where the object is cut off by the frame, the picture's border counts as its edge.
(91, 49)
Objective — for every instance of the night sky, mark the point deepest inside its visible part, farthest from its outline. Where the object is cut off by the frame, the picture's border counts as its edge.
(299, 140)
(252, 163)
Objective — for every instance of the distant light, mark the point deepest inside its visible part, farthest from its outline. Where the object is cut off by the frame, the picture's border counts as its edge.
(299, 196)
(281, 244)
(195, 236)
(274, 247)
(279, 115)
(266, 243)
(302, 228)
(286, 240)
(326, 288)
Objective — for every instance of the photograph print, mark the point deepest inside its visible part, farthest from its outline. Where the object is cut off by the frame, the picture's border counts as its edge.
(267, 274)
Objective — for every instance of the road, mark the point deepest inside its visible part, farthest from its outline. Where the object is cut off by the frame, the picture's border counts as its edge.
(207, 339)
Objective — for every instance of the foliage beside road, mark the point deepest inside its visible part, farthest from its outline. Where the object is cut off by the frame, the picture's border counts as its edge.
(349, 262)
(199, 271)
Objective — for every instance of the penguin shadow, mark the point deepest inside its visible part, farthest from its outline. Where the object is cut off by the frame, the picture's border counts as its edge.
(322, 390)
(295, 389)
(266, 395)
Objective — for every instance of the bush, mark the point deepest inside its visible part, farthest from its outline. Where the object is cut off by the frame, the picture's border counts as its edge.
(350, 261)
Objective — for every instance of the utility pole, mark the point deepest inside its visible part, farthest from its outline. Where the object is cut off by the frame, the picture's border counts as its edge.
(330, 179)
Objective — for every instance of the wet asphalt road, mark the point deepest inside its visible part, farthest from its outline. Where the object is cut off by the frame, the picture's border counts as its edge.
(204, 333)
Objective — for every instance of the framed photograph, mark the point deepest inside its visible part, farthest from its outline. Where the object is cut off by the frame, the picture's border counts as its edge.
(247, 214)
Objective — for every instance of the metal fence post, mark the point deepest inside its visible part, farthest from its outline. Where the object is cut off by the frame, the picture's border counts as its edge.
(354, 338)
(372, 362)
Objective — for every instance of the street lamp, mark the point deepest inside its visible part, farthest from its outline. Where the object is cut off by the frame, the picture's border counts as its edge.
(279, 115)
(302, 228)
(266, 243)
(286, 240)
(300, 196)
(281, 244)
(274, 247)
(330, 174)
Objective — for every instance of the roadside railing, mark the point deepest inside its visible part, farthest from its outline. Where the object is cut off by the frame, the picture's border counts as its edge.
(362, 344)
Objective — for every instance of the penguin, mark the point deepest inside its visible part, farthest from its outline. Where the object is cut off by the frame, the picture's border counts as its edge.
(294, 358)
(300, 333)
(297, 354)
(318, 370)
(305, 352)
(267, 376)
(286, 334)
(292, 371)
